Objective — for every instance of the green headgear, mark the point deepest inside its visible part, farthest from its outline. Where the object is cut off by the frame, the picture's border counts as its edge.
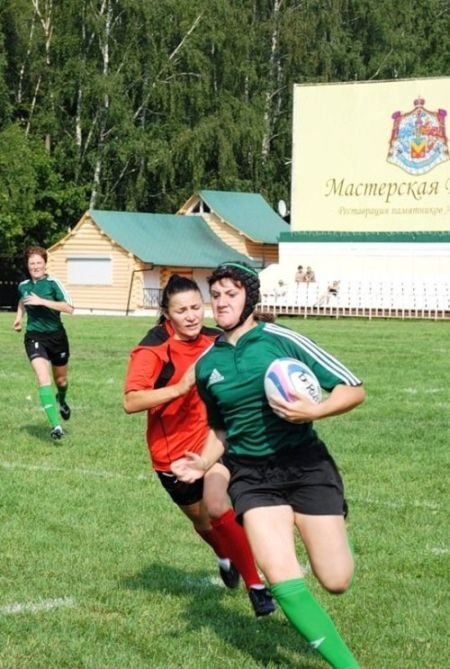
(247, 276)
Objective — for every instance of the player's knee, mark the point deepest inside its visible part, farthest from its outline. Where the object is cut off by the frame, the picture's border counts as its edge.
(215, 500)
(216, 506)
(60, 380)
(337, 584)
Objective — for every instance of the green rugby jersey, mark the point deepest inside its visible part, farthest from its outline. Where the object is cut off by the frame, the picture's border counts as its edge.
(230, 380)
(39, 318)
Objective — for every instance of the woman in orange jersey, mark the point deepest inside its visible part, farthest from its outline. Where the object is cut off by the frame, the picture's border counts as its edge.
(161, 380)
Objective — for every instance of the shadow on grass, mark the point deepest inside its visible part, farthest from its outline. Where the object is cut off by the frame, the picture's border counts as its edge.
(263, 636)
(41, 432)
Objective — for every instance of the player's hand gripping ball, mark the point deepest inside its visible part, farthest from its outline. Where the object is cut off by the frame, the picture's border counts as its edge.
(286, 376)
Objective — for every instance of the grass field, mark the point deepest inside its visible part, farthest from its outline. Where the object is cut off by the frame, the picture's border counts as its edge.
(100, 571)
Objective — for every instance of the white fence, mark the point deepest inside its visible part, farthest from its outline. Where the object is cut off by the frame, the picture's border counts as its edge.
(370, 299)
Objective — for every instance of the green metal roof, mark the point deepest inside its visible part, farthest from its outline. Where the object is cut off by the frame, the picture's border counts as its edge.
(247, 212)
(166, 239)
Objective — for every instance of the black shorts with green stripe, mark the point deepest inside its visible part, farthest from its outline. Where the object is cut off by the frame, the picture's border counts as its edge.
(305, 478)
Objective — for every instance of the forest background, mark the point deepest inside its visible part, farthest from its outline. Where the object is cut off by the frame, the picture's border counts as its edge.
(136, 104)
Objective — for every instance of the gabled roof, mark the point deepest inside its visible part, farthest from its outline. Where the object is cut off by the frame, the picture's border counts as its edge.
(166, 239)
(247, 212)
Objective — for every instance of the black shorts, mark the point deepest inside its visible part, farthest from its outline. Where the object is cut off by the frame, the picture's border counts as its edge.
(181, 493)
(309, 483)
(53, 346)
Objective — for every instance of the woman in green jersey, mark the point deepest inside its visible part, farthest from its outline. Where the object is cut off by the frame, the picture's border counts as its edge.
(282, 475)
(44, 299)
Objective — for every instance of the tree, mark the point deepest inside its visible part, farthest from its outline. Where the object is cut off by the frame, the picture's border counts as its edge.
(130, 104)
(17, 190)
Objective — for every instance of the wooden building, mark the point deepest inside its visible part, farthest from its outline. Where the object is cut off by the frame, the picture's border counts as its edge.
(244, 221)
(118, 262)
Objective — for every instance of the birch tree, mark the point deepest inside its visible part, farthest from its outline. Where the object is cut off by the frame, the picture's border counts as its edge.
(132, 104)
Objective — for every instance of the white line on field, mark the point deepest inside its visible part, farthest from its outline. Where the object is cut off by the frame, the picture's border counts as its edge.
(98, 473)
(101, 473)
(440, 550)
(415, 391)
(205, 582)
(36, 607)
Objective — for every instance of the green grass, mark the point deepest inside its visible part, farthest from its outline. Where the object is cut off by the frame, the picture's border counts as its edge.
(84, 523)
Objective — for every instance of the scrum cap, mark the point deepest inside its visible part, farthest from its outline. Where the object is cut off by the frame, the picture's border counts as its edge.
(247, 277)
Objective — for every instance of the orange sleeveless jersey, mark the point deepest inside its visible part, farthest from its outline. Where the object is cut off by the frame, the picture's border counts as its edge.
(180, 425)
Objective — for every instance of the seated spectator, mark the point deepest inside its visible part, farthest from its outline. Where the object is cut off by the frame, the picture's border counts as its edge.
(332, 291)
(300, 274)
(310, 276)
(280, 290)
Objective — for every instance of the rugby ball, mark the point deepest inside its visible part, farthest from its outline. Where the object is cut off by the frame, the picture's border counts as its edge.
(286, 375)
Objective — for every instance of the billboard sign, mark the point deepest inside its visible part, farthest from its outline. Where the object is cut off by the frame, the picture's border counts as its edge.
(371, 156)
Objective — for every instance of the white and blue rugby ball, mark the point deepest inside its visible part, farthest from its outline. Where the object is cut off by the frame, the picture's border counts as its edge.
(284, 376)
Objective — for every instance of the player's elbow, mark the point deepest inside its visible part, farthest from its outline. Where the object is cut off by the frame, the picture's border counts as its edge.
(128, 405)
(359, 394)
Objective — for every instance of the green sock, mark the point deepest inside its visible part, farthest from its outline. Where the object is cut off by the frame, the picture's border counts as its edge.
(61, 393)
(49, 404)
(313, 623)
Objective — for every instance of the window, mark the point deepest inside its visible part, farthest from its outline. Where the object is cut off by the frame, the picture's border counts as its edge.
(92, 271)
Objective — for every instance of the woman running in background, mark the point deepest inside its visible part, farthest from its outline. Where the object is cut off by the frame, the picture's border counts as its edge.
(43, 299)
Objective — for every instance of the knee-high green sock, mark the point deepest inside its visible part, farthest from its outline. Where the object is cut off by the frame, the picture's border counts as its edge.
(61, 394)
(49, 404)
(313, 623)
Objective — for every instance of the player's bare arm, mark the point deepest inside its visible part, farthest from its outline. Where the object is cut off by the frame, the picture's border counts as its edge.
(341, 399)
(33, 300)
(193, 465)
(17, 325)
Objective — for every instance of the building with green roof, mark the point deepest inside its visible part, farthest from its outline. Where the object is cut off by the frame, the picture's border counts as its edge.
(114, 261)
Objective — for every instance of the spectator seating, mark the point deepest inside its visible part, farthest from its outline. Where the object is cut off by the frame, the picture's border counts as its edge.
(371, 299)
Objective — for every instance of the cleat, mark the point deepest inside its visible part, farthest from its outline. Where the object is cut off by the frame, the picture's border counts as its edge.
(57, 432)
(262, 601)
(64, 410)
(230, 577)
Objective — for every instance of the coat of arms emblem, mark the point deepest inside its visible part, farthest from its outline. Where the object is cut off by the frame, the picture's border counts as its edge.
(418, 140)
